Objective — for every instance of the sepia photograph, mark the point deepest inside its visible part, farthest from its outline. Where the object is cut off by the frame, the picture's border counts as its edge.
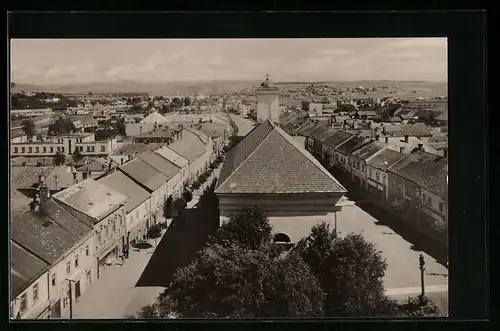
(228, 178)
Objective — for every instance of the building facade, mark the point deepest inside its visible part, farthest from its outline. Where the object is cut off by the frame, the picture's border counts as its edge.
(268, 104)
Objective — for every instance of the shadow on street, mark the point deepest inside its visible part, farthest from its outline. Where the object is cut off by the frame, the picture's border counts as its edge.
(177, 248)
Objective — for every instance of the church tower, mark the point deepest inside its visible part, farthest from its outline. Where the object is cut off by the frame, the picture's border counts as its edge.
(268, 104)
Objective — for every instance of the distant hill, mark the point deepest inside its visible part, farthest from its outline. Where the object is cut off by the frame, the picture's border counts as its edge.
(212, 87)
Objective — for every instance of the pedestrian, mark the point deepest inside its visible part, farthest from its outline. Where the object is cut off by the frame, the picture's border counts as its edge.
(123, 259)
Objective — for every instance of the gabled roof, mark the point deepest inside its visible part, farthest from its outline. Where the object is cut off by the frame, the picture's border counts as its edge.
(91, 198)
(144, 174)
(368, 150)
(317, 125)
(172, 156)
(316, 133)
(121, 183)
(25, 268)
(353, 144)
(133, 148)
(326, 134)
(385, 159)
(49, 235)
(427, 170)
(154, 117)
(337, 138)
(268, 160)
(159, 132)
(167, 168)
(56, 177)
(189, 147)
(306, 126)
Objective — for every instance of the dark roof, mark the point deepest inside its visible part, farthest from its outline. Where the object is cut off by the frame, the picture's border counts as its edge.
(309, 124)
(25, 268)
(368, 150)
(56, 177)
(385, 159)
(337, 138)
(318, 125)
(326, 134)
(425, 169)
(132, 148)
(268, 160)
(143, 173)
(162, 131)
(316, 134)
(50, 235)
(352, 144)
(121, 183)
(161, 164)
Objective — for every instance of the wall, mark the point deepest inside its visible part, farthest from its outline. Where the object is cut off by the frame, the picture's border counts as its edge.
(268, 102)
(59, 291)
(40, 146)
(134, 129)
(433, 208)
(297, 228)
(280, 205)
(108, 242)
(33, 308)
(137, 220)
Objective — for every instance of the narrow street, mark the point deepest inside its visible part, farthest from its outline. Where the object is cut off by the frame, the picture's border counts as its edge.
(244, 125)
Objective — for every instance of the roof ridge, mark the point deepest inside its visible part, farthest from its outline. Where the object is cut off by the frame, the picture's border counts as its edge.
(251, 153)
(311, 159)
(71, 216)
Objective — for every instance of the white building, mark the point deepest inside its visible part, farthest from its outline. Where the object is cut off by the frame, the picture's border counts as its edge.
(268, 104)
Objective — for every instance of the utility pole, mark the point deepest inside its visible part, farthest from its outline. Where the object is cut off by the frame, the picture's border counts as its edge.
(335, 223)
(70, 298)
(422, 283)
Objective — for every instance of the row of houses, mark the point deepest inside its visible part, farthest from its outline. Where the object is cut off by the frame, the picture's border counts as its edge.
(400, 168)
(66, 238)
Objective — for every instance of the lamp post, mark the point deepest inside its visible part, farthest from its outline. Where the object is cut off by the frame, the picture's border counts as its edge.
(422, 294)
(70, 297)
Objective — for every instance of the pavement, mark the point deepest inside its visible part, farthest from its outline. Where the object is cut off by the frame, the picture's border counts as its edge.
(244, 125)
(402, 277)
(114, 294)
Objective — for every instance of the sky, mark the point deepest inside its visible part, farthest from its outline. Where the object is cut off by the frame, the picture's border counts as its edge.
(66, 61)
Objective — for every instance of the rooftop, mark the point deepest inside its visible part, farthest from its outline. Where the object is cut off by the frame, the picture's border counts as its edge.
(91, 198)
(368, 150)
(25, 268)
(137, 148)
(326, 134)
(353, 144)
(189, 147)
(213, 130)
(121, 183)
(166, 167)
(172, 156)
(56, 177)
(268, 160)
(159, 132)
(337, 138)
(144, 174)
(385, 159)
(154, 117)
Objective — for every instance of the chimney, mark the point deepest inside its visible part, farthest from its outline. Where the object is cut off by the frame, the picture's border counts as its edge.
(386, 139)
(401, 149)
(406, 138)
(44, 193)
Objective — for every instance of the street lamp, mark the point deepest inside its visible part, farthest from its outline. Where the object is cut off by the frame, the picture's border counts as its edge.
(421, 262)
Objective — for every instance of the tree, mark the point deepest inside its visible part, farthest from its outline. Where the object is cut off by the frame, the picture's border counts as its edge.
(236, 282)
(29, 127)
(187, 195)
(61, 126)
(350, 271)
(249, 227)
(187, 101)
(178, 206)
(77, 155)
(167, 207)
(59, 158)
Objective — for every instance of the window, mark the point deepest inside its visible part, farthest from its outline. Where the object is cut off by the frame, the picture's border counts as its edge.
(114, 226)
(383, 177)
(103, 149)
(54, 279)
(424, 198)
(62, 149)
(88, 148)
(24, 302)
(106, 229)
(429, 201)
(98, 235)
(441, 207)
(35, 293)
(81, 148)
(87, 250)
(37, 149)
(52, 149)
(30, 149)
(23, 149)
(92, 149)
(370, 173)
(68, 267)
(58, 148)
(76, 261)
(137, 214)
(377, 175)
(44, 149)
(15, 149)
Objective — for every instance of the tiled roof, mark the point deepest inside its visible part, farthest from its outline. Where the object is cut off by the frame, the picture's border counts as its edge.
(25, 268)
(56, 177)
(306, 126)
(143, 173)
(159, 132)
(132, 148)
(161, 164)
(385, 159)
(84, 119)
(316, 134)
(352, 144)
(317, 125)
(337, 138)
(368, 150)
(50, 235)
(121, 183)
(189, 147)
(91, 198)
(172, 156)
(268, 160)
(425, 169)
(326, 134)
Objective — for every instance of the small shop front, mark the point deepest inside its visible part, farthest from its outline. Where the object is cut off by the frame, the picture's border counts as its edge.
(107, 257)
(138, 233)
